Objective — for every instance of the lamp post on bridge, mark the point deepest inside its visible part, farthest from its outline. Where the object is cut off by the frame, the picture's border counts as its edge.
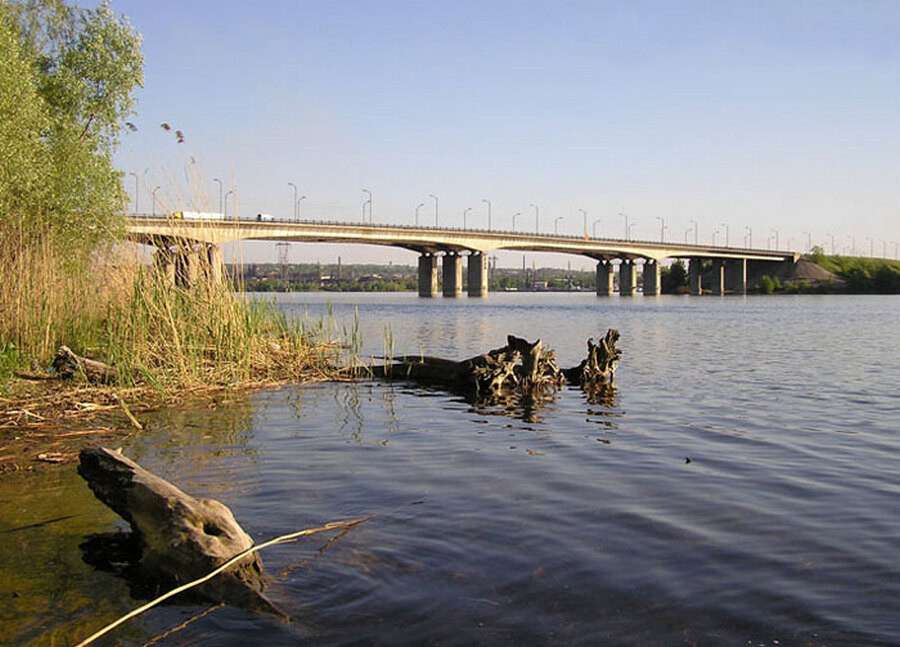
(537, 218)
(726, 232)
(871, 246)
(662, 229)
(715, 233)
(748, 237)
(696, 232)
(808, 241)
(136, 189)
(627, 228)
(294, 203)
(584, 215)
(225, 204)
(435, 198)
(466, 213)
(215, 179)
(153, 199)
(775, 232)
(556, 225)
(297, 205)
(630, 227)
(369, 202)
(515, 215)
(488, 203)
(594, 227)
(418, 206)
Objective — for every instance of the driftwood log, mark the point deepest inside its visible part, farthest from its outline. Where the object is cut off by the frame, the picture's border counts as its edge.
(181, 538)
(68, 365)
(521, 369)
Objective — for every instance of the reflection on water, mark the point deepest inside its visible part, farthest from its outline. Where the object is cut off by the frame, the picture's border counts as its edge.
(737, 486)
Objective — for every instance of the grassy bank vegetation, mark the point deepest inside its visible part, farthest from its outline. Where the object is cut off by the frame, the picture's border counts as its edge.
(862, 275)
(67, 77)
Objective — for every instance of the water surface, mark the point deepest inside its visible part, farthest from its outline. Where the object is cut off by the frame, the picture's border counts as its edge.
(742, 487)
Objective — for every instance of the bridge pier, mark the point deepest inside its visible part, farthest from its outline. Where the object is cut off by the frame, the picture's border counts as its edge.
(695, 276)
(718, 277)
(605, 279)
(452, 274)
(477, 270)
(652, 286)
(736, 276)
(187, 266)
(428, 279)
(164, 262)
(627, 278)
(215, 263)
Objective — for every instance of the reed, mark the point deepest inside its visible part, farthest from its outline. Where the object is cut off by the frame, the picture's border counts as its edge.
(121, 311)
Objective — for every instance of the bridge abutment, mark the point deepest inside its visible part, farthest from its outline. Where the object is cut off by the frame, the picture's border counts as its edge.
(215, 263)
(187, 267)
(605, 279)
(164, 262)
(736, 276)
(627, 278)
(652, 286)
(452, 275)
(428, 279)
(478, 274)
(695, 276)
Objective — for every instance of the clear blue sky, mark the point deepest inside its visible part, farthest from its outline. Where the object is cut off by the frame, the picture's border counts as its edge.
(768, 114)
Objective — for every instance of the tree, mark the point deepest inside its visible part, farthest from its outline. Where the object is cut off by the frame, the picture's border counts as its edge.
(674, 278)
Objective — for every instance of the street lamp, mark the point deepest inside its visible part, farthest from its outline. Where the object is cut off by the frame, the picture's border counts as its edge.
(465, 213)
(215, 179)
(294, 203)
(777, 244)
(715, 233)
(871, 246)
(627, 228)
(584, 215)
(726, 233)
(297, 205)
(832, 245)
(225, 204)
(686, 232)
(488, 203)
(696, 230)
(418, 206)
(808, 241)
(515, 215)
(630, 227)
(435, 198)
(537, 218)
(594, 226)
(556, 224)
(662, 229)
(136, 188)
(748, 237)
(154, 199)
(371, 217)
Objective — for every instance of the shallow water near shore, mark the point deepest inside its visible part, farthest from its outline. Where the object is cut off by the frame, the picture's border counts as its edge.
(743, 486)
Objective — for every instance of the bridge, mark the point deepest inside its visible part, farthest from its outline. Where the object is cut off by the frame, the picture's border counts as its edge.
(185, 247)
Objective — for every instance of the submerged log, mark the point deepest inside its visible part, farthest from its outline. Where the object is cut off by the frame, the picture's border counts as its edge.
(521, 370)
(181, 538)
(67, 365)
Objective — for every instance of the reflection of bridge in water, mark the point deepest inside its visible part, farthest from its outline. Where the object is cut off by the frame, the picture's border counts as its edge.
(185, 247)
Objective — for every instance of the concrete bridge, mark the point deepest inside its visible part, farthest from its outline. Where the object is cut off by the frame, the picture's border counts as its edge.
(186, 247)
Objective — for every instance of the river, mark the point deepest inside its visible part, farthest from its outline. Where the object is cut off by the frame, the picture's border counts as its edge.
(743, 487)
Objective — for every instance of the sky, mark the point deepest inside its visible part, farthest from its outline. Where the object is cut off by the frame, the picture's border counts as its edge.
(768, 115)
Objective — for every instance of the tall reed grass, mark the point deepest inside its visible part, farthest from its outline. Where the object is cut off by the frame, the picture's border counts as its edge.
(122, 311)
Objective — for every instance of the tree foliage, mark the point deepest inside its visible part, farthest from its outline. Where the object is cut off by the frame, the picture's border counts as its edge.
(67, 77)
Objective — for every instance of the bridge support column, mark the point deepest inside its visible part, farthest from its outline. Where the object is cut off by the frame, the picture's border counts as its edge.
(695, 276)
(627, 278)
(718, 277)
(215, 263)
(736, 276)
(652, 286)
(605, 279)
(452, 274)
(478, 274)
(428, 279)
(187, 267)
(164, 261)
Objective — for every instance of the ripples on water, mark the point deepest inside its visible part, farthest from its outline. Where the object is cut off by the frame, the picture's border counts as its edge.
(743, 487)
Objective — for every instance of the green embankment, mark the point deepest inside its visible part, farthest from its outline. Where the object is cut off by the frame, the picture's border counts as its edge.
(862, 275)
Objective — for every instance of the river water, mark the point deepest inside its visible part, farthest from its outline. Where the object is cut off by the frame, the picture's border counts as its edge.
(743, 487)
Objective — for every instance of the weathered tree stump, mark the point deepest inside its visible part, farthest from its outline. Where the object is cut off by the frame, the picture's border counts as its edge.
(599, 367)
(67, 365)
(181, 538)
